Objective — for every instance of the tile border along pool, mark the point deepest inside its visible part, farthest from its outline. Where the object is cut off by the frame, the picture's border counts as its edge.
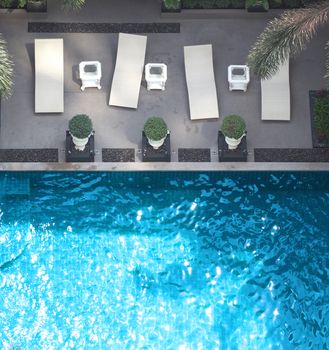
(173, 166)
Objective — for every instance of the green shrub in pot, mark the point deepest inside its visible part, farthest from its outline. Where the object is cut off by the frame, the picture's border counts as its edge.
(233, 126)
(155, 128)
(321, 115)
(156, 131)
(80, 126)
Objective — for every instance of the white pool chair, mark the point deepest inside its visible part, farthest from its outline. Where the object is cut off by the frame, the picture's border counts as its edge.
(128, 70)
(238, 77)
(156, 76)
(200, 81)
(49, 75)
(90, 73)
(276, 95)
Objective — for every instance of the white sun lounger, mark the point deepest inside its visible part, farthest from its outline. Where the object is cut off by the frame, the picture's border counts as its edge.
(128, 70)
(200, 81)
(49, 75)
(276, 95)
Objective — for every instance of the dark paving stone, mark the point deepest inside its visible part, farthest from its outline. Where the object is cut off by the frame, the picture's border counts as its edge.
(118, 154)
(53, 27)
(291, 154)
(29, 155)
(194, 154)
(317, 140)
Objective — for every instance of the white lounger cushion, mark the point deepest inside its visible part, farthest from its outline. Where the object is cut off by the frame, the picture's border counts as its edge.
(128, 70)
(276, 95)
(200, 79)
(49, 75)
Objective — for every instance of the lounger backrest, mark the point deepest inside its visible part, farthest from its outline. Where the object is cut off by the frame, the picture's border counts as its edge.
(200, 81)
(128, 70)
(276, 95)
(49, 75)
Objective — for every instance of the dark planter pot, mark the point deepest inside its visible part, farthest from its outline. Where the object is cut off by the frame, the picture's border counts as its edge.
(170, 10)
(36, 6)
(226, 155)
(318, 140)
(257, 8)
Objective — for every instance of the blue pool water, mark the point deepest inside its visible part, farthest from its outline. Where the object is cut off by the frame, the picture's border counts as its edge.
(164, 261)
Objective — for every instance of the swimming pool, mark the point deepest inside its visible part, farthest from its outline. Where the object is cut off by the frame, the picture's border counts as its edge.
(197, 260)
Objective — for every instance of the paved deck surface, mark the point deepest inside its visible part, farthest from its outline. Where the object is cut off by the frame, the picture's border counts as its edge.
(122, 128)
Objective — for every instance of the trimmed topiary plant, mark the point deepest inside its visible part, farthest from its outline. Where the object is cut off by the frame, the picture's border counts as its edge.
(233, 126)
(321, 116)
(156, 131)
(80, 126)
(155, 128)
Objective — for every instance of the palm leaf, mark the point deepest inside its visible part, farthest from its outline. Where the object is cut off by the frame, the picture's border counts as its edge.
(6, 70)
(285, 37)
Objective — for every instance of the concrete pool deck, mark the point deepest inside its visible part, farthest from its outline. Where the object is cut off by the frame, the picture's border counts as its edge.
(231, 37)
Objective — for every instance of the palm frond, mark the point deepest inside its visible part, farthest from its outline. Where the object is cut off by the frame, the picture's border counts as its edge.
(73, 4)
(6, 70)
(285, 37)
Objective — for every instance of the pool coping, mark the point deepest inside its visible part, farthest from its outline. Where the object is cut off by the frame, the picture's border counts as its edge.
(172, 166)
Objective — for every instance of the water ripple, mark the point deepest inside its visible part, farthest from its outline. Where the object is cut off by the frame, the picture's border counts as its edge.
(166, 261)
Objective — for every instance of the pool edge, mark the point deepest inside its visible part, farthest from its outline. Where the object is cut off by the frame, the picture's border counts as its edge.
(173, 166)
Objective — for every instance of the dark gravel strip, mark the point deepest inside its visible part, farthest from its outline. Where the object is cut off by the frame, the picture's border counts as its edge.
(291, 155)
(61, 27)
(194, 154)
(47, 155)
(118, 154)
